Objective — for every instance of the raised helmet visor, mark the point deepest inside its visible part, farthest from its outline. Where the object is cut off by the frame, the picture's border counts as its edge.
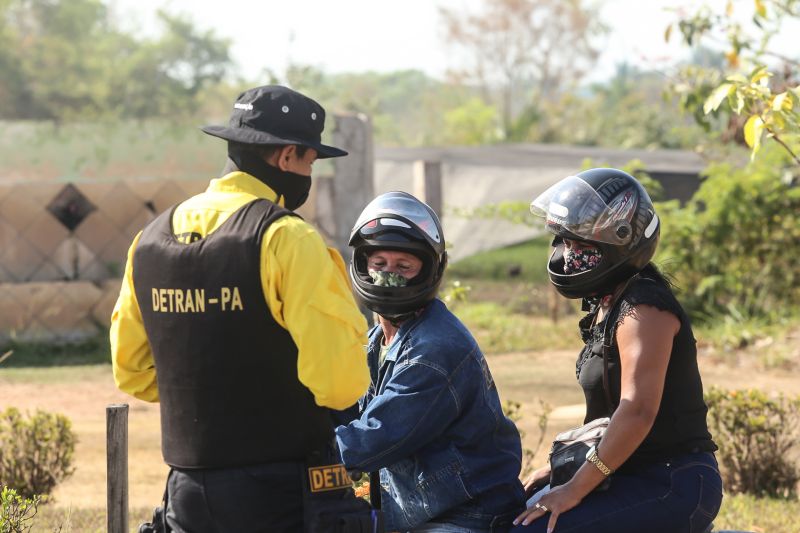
(575, 206)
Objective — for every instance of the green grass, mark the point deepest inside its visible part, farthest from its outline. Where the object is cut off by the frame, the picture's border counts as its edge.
(762, 515)
(773, 344)
(521, 262)
(30, 354)
(55, 374)
(59, 519)
(499, 329)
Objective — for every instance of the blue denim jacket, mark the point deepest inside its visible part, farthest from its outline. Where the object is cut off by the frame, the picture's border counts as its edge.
(432, 423)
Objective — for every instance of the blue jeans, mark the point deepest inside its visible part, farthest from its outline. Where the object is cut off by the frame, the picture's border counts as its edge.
(439, 527)
(682, 495)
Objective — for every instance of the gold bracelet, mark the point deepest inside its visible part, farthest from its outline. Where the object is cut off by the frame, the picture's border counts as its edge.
(592, 457)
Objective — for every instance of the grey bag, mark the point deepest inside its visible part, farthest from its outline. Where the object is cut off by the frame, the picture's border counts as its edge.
(569, 450)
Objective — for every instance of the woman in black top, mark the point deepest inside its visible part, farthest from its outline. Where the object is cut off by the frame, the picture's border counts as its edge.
(657, 450)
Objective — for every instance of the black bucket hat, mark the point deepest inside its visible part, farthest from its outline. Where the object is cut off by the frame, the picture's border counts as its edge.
(276, 115)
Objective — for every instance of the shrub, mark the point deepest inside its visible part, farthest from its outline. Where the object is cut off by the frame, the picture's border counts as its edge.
(755, 434)
(16, 512)
(513, 410)
(35, 451)
(733, 247)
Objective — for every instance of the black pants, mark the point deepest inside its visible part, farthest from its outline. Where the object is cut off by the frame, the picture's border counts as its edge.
(252, 499)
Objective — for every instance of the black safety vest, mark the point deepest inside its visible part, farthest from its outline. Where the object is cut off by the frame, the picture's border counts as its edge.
(227, 372)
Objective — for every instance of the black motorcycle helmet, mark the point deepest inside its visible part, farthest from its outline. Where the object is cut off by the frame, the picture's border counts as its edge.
(609, 209)
(397, 221)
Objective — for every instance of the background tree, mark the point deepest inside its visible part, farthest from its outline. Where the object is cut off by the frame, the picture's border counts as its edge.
(66, 59)
(523, 52)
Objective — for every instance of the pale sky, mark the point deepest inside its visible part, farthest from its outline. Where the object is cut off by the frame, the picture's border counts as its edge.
(384, 35)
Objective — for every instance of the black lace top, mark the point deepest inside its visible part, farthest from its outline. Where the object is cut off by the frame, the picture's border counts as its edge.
(680, 424)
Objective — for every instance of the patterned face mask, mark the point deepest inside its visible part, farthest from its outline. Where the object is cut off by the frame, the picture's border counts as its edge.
(387, 279)
(580, 260)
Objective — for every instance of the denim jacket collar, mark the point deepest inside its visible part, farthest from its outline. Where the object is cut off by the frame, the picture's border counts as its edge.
(375, 342)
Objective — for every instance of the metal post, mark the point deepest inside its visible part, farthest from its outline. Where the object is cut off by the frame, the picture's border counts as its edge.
(117, 467)
(428, 184)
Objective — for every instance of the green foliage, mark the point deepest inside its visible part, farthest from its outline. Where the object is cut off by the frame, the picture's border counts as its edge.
(472, 123)
(503, 327)
(733, 247)
(455, 292)
(758, 102)
(525, 261)
(32, 354)
(66, 60)
(16, 512)
(407, 108)
(511, 211)
(744, 512)
(513, 410)
(35, 451)
(756, 435)
(628, 111)
(774, 115)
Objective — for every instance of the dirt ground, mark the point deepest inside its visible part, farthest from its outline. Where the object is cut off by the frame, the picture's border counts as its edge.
(83, 392)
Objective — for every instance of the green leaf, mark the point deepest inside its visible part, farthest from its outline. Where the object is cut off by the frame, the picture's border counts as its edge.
(753, 129)
(781, 102)
(717, 96)
(761, 9)
(760, 74)
(739, 102)
(737, 78)
(667, 33)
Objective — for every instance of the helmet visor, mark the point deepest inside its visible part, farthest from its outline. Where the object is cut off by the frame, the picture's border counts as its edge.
(573, 206)
(388, 207)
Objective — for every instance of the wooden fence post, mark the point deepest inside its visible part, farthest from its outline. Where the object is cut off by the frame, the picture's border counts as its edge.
(117, 467)
(428, 184)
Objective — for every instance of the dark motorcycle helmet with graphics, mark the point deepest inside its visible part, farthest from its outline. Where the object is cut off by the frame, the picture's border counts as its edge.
(609, 209)
(397, 221)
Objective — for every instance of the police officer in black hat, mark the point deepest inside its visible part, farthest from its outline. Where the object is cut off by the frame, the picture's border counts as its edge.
(239, 320)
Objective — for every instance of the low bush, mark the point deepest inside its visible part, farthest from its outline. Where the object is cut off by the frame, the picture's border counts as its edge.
(756, 435)
(513, 410)
(35, 451)
(16, 512)
(733, 247)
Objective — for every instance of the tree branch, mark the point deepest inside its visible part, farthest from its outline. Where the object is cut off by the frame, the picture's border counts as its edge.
(785, 146)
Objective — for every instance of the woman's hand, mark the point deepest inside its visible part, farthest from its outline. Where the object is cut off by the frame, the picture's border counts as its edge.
(536, 480)
(557, 501)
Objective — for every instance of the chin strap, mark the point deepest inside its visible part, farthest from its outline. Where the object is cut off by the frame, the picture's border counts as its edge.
(589, 304)
(396, 320)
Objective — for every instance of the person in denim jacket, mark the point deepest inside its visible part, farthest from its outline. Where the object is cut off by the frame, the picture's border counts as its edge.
(431, 421)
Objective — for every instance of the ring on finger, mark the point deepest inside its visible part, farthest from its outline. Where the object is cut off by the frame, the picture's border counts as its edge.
(542, 507)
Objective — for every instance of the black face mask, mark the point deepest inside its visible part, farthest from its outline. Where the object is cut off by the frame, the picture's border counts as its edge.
(292, 187)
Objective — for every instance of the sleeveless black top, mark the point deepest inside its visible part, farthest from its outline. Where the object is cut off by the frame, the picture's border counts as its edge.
(680, 425)
(227, 371)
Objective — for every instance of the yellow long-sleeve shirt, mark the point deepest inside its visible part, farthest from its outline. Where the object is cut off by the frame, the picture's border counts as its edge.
(305, 285)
